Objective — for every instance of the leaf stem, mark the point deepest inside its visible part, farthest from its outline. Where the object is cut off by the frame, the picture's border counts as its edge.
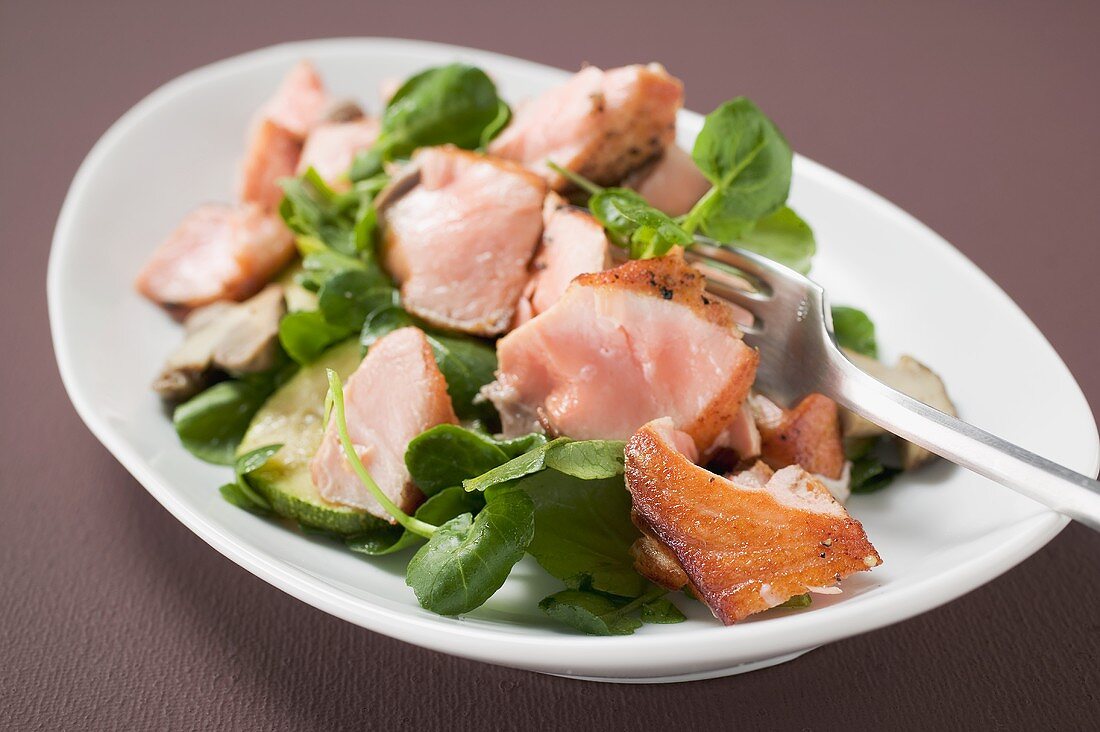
(335, 398)
(575, 178)
(699, 211)
(654, 593)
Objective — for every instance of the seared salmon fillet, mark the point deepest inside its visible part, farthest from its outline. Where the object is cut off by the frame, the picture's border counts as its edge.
(272, 154)
(331, 148)
(600, 124)
(671, 183)
(299, 103)
(396, 393)
(573, 243)
(808, 435)
(745, 545)
(459, 242)
(218, 252)
(623, 347)
(276, 134)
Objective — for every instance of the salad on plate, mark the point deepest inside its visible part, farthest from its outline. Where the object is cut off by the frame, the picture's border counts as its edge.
(465, 332)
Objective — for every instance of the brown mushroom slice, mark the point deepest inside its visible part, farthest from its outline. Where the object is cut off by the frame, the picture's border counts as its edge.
(238, 338)
(746, 545)
(910, 377)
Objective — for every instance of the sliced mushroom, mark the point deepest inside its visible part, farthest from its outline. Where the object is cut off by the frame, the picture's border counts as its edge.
(237, 338)
(910, 377)
(401, 182)
(343, 110)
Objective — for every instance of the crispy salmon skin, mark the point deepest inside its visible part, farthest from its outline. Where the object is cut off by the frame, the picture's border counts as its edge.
(745, 546)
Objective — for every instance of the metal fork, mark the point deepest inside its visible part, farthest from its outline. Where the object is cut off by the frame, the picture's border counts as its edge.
(793, 330)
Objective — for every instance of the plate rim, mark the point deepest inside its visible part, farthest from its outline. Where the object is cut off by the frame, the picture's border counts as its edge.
(713, 647)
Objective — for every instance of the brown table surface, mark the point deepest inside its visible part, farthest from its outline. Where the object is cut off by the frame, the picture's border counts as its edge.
(981, 121)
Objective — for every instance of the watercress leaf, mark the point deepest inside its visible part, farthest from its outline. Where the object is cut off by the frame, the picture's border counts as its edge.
(347, 298)
(319, 263)
(211, 424)
(382, 322)
(366, 164)
(747, 160)
(447, 454)
(854, 331)
(309, 207)
(249, 462)
(233, 494)
(587, 459)
(254, 459)
(437, 510)
(583, 528)
(519, 445)
(796, 602)
(494, 128)
(869, 475)
(589, 612)
(467, 559)
(306, 334)
(781, 235)
(632, 223)
(467, 364)
(529, 462)
(661, 610)
(456, 104)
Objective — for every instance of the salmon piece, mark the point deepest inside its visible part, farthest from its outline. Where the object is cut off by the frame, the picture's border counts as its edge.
(272, 154)
(573, 243)
(459, 242)
(299, 103)
(218, 252)
(808, 435)
(331, 147)
(745, 545)
(600, 124)
(276, 134)
(396, 393)
(623, 347)
(672, 183)
(742, 436)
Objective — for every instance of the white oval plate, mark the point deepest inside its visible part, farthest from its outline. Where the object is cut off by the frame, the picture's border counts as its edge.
(942, 532)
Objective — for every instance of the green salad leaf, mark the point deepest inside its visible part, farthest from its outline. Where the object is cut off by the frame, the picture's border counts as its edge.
(869, 474)
(661, 611)
(584, 459)
(635, 225)
(306, 334)
(597, 613)
(240, 493)
(467, 364)
(748, 162)
(455, 104)
(782, 236)
(854, 331)
(588, 459)
(348, 297)
(447, 454)
(797, 602)
(438, 509)
(211, 423)
(590, 612)
(583, 531)
(468, 558)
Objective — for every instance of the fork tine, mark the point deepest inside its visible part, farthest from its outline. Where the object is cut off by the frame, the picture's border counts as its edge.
(747, 262)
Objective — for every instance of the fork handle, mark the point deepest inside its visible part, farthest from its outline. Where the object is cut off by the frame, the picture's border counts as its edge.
(1052, 485)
